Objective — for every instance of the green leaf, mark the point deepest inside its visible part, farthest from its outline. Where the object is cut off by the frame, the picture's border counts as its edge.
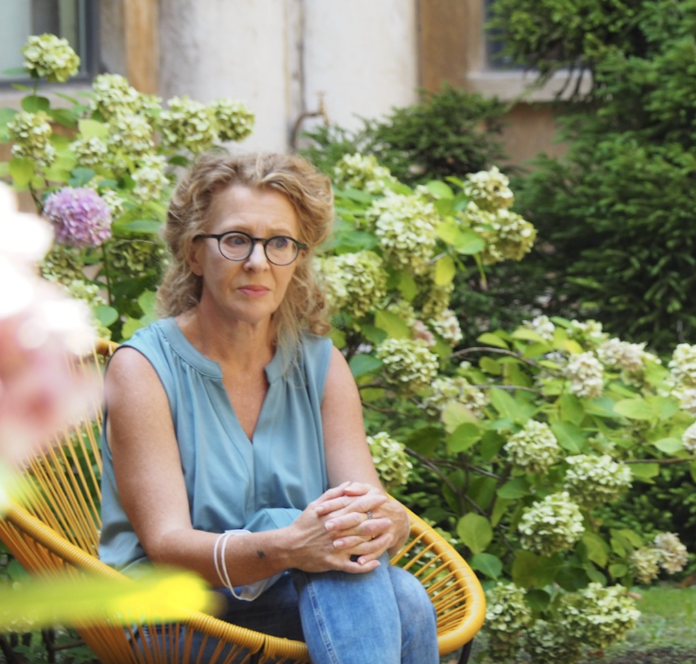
(538, 599)
(514, 489)
(445, 271)
(395, 326)
(526, 334)
(635, 409)
(81, 176)
(425, 440)
(141, 226)
(63, 116)
(6, 116)
(34, 104)
(463, 437)
(407, 286)
(469, 242)
(597, 549)
(4, 169)
(338, 337)
(488, 564)
(665, 407)
(491, 339)
(93, 129)
(572, 409)
(490, 366)
(645, 472)
(475, 531)
(21, 170)
(148, 302)
(669, 445)
(106, 315)
(439, 189)
(507, 406)
(617, 570)
(491, 443)
(363, 363)
(524, 567)
(130, 327)
(455, 414)
(569, 436)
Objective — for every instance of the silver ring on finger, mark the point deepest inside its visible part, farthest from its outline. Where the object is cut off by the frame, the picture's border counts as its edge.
(368, 513)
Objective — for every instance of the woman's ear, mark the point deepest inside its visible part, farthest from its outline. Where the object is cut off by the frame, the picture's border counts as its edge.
(193, 258)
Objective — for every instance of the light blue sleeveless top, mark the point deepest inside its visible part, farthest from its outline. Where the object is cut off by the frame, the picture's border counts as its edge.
(231, 483)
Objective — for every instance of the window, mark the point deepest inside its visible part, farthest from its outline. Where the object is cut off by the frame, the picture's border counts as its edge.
(75, 20)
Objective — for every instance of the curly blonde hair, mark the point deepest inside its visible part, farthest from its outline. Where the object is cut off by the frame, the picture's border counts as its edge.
(309, 192)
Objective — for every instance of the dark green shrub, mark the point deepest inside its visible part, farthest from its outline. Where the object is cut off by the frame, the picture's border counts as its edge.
(451, 132)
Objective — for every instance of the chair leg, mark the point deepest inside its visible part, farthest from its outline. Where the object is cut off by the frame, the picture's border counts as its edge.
(466, 651)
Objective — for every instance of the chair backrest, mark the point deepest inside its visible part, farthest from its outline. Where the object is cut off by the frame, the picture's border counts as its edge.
(62, 483)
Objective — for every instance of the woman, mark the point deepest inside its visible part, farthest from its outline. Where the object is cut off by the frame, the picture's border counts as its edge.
(234, 441)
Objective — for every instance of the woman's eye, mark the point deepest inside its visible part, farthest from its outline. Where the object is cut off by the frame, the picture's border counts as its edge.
(236, 240)
(279, 242)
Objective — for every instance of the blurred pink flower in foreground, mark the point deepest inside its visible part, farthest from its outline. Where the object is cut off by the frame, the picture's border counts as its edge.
(40, 330)
(80, 217)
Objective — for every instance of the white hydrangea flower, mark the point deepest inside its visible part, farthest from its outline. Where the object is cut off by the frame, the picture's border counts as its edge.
(534, 448)
(689, 438)
(131, 256)
(589, 331)
(627, 357)
(673, 554)
(115, 202)
(683, 366)
(114, 96)
(598, 616)
(507, 616)
(551, 525)
(130, 139)
(51, 57)
(31, 133)
(420, 331)
(150, 179)
(447, 326)
(354, 282)
(390, 459)
(645, 564)
(235, 120)
(548, 642)
(444, 390)
(586, 377)
(687, 400)
(408, 364)
(405, 226)
(188, 124)
(490, 190)
(357, 171)
(91, 152)
(592, 480)
(542, 325)
(508, 236)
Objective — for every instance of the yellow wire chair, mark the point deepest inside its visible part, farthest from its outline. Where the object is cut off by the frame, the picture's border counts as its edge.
(55, 531)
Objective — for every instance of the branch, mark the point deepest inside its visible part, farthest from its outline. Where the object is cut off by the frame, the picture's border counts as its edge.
(662, 462)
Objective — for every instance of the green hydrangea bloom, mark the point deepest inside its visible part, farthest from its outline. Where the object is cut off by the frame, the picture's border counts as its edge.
(235, 120)
(645, 564)
(445, 390)
(363, 172)
(188, 124)
(408, 364)
(114, 96)
(597, 616)
(390, 459)
(586, 375)
(507, 617)
(48, 56)
(489, 190)
(534, 448)
(548, 642)
(31, 133)
(593, 480)
(551, 525)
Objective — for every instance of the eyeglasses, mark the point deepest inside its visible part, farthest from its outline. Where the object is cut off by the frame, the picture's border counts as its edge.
(238, 246)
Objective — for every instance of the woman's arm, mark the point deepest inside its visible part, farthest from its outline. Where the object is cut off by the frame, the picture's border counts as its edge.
(150, 481)
(348, 459)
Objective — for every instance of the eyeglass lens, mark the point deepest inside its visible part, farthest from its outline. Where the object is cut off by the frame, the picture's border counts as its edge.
(238, 246)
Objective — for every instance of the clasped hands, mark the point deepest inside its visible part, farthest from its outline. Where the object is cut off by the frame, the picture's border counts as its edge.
(362, 523)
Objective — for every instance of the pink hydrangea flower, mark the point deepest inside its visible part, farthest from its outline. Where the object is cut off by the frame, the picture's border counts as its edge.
(81, 218)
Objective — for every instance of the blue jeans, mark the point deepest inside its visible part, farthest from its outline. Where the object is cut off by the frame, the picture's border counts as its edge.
(381, 616)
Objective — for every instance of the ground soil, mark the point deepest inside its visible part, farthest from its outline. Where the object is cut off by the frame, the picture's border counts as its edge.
(657, 656)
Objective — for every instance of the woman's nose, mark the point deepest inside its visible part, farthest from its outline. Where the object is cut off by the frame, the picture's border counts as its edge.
(257, 258)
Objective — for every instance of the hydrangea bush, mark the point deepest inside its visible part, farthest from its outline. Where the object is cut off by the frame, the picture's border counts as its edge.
(100, 166)
(516, 438)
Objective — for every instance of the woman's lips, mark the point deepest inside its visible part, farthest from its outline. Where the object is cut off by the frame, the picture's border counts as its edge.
(254, 291)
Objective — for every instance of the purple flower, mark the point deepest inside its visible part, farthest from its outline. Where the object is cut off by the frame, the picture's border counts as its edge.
(81, 217)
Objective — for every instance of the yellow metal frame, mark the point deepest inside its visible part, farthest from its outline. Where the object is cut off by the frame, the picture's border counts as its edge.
(54, 529)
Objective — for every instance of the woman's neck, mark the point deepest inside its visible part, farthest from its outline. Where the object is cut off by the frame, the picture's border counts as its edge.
(232, 342)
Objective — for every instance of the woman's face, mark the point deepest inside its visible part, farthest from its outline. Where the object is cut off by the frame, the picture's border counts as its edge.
(248, 290)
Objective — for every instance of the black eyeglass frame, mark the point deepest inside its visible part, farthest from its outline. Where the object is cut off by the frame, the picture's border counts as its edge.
(263, 240)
